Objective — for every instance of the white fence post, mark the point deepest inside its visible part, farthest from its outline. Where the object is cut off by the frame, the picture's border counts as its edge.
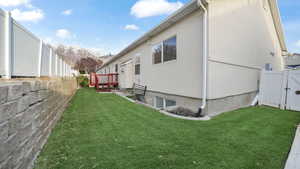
(55, 64)
(8, 45)
(64, 69)
(283, 89)
(60, 67)
(69, 70)
(50, 62)
(40, 59)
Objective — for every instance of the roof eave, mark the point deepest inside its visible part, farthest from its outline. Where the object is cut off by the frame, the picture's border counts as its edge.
(171, 20)
(278, 24)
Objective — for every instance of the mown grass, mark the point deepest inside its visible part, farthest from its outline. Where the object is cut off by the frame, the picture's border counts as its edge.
(105, 131)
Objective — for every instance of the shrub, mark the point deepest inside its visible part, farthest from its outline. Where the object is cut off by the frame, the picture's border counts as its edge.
(83, 81)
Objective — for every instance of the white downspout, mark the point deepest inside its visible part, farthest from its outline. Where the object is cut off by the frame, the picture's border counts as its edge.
(204, 75)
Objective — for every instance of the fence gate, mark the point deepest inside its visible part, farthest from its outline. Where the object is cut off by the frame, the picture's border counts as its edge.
(280, 89)
(272, 88)
(293, 91)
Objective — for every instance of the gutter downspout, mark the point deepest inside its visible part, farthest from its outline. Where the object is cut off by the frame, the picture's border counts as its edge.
(204, 75)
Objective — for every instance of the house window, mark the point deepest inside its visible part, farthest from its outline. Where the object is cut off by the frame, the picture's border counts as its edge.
(137, 69)
(116, 68)
(169, 50)
(162, 103)
(157, 54)
(166, 51)
(170, 103)
(159, 102)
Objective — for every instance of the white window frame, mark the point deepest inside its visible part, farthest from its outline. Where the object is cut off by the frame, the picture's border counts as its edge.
(164, 102)
(155, 102)
(162, 51)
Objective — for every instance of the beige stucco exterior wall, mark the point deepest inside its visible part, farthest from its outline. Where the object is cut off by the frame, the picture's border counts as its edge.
(242, 39)
(179, 77)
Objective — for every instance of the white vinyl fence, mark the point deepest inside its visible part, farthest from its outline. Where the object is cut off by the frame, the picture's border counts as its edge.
(22, 54)
(2, 45)
(280, 89)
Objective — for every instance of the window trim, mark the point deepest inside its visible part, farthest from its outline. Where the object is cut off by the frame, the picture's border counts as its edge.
(164, 99)
(155, 102)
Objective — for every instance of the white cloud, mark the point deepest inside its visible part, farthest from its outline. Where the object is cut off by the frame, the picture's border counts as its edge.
(64, 34)
(28, 16)
(97, 51)
(7, 3)
(148, 8)
(298, 43)
(131, 27)
(67, 12)
(51, 41)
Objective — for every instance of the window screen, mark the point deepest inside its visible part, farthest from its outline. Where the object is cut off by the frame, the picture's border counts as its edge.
(170, 49)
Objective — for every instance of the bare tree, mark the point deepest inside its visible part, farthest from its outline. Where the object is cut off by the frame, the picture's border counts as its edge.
(88, 64)
(80, 58)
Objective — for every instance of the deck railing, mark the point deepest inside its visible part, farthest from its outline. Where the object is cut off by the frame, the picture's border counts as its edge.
(104, 81)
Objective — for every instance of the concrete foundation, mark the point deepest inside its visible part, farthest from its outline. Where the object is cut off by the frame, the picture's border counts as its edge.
(214, 107)
(218, 106)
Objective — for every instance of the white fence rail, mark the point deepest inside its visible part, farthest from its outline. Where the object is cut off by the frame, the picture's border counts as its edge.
(22, 54)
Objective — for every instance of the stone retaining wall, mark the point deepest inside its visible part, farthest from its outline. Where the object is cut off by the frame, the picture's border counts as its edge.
(28, 112)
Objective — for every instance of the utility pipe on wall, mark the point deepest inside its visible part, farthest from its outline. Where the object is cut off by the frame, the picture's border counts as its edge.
(204, 73)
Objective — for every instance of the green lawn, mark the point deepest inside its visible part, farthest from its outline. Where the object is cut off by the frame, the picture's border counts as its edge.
(105, 131)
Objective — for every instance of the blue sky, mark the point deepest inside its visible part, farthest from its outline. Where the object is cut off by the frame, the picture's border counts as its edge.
(109, 26)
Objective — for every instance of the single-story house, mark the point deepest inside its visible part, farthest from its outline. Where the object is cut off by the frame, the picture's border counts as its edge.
(293, 61)
(207, 56)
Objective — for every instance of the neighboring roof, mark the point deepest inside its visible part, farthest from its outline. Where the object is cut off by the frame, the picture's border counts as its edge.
(190, 7)
(293, 60)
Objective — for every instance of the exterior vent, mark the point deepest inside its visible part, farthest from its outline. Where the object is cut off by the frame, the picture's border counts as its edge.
(268, 67)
